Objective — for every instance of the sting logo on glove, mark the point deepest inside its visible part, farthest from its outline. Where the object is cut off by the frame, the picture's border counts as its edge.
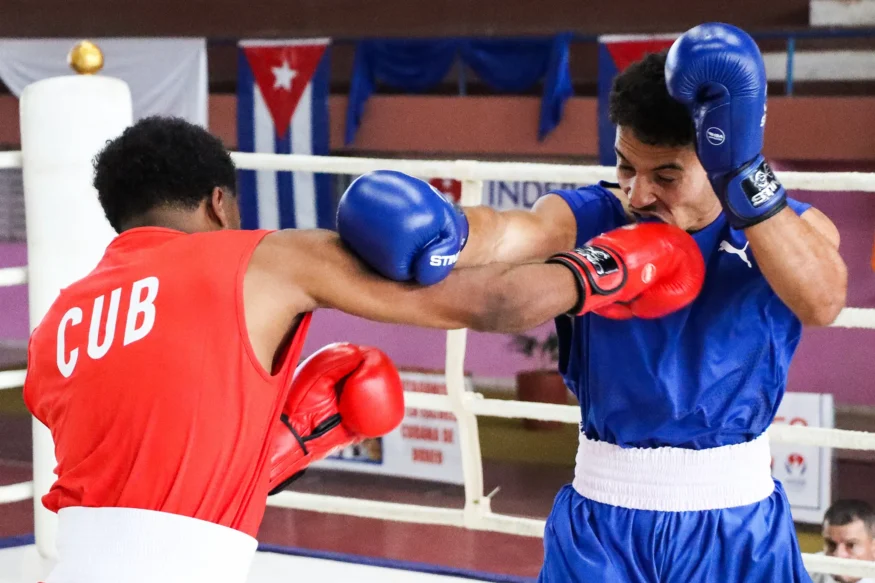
(443, 260)
(715, 136)
(602, 262)
(761, 186)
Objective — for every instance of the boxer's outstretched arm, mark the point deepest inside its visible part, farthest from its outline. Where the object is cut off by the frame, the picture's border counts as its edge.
(292, 272)
(799, 258)
(517, 236)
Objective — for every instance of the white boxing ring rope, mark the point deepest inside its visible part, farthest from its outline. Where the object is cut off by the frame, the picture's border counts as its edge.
(10, 160)
(466, 406)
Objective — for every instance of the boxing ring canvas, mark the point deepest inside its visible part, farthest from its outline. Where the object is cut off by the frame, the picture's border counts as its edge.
(23, 564)
(54, 260)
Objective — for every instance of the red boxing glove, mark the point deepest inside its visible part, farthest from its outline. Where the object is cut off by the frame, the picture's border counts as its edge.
(340, 395)
(646, 270)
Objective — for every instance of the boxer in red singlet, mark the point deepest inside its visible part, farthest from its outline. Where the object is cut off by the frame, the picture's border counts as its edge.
(165, 375)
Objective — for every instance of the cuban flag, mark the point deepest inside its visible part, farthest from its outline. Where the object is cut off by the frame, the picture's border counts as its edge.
(282, 108)
(616, 53)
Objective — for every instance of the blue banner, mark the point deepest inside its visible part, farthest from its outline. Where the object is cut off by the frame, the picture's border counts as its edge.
(504, 65)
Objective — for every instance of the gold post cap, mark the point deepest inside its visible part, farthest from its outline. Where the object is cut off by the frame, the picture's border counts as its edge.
(85, 58)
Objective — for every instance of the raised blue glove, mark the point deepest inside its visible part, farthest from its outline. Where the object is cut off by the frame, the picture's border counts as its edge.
(717, 71)
(401, 226)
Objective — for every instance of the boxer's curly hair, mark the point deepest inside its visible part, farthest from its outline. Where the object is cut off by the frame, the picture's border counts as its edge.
(640, 101)
(159, 161)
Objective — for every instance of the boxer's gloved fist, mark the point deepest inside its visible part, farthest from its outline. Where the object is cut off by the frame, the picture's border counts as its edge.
(340, 395)
(401, 226)
(717, 71)
(647, 270)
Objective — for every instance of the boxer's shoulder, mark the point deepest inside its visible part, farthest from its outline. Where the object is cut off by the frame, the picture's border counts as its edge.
(212, 256)
(225, 239)
(600, 192)
(597, 208)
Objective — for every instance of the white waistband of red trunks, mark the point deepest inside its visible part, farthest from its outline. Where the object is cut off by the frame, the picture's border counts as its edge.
(671, 479)
(129, 545)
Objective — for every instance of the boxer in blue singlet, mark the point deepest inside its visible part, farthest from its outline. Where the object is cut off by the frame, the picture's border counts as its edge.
(673, 480)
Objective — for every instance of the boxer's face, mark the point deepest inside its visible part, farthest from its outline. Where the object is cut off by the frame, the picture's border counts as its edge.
(849, 541)
(668, 183)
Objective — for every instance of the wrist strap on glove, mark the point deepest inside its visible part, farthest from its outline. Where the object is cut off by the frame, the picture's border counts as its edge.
(752, 195)
(599, 271)
(303, 454)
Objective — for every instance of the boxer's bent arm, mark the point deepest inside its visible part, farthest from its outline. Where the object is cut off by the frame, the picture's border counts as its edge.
(313, 269)
(517, 236)
(799, 258)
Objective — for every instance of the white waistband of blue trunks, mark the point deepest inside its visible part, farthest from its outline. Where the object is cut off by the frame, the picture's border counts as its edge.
(109, 545)
(671, 479)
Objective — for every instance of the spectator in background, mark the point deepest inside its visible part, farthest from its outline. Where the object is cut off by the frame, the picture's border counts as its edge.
(848, 533)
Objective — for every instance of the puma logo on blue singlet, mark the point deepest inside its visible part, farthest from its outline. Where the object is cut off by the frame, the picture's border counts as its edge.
(742, 254)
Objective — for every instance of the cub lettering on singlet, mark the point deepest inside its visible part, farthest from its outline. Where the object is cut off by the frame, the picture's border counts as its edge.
(139, 321)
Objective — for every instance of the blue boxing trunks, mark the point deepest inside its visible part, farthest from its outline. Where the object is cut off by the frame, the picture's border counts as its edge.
(671, 515)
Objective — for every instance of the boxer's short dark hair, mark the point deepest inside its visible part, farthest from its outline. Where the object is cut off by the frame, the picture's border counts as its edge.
(640, 101)
(160, 161)
(844, 512)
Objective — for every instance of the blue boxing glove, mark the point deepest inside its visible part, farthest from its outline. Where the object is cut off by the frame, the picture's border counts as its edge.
(717, 71)
(401, 226)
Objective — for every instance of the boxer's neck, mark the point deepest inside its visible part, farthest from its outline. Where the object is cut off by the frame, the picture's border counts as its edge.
(184, 220)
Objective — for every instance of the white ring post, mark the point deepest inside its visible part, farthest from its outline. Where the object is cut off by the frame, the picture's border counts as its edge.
(476, 505)
(65, 121)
